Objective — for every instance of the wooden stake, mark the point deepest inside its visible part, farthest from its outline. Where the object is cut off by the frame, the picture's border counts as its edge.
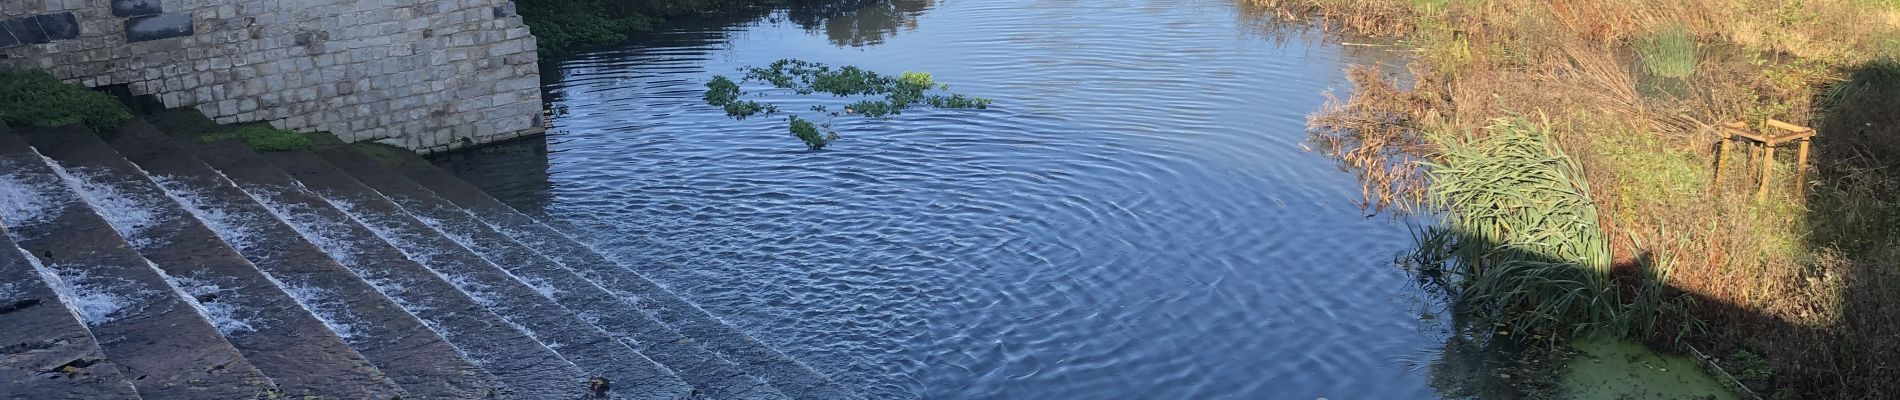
(1754, 152)
(1801, 172)
(1767, 163)
(1721, 158)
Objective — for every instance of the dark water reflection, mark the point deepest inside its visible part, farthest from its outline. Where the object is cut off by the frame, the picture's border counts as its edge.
(857, 23)
(1134, 219)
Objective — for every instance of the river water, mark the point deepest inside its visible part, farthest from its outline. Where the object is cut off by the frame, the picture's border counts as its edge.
(1135, 217)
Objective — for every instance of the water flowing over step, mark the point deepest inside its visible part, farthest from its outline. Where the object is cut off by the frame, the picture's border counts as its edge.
(138, 318)
(526, 368)
(273, 331)
(47, 353)
(789, 376)
(519, 301)
(709, 374)
(398, 343)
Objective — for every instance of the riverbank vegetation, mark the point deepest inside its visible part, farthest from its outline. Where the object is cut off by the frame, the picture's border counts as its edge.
(562, 26)
(878, 96)
(1632, 89)
(34, 98)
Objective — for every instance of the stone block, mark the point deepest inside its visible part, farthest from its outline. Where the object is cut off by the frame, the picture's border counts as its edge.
(24, 30)
(133, 8)
(61, 26)
(155, 27)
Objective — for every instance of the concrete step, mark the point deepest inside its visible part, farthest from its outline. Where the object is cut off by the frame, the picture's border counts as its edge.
(282, 339)
(789, 376)
(527, 305)
(138, 318)
(526, 368)
(47, 353)
(709, 374)
(398, 343)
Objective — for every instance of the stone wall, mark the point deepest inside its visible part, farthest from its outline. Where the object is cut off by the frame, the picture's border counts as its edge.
(430, 75)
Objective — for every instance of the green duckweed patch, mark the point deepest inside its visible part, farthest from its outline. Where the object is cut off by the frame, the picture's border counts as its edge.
(1622, 370)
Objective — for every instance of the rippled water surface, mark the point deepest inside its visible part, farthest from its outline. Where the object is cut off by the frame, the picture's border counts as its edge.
(1134, 218)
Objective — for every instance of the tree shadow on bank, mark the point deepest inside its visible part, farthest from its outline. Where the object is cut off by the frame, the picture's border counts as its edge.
(1628, 337)
(1853, 225)
(1830, 330)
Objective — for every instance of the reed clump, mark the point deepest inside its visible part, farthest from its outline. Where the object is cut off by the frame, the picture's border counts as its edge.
(1810, 283)
(1670, 53)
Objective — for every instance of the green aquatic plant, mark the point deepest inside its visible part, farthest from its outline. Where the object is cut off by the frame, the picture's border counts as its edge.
(880, 96)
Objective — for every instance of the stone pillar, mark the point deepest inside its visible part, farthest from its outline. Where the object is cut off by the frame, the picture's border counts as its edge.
(429, 75)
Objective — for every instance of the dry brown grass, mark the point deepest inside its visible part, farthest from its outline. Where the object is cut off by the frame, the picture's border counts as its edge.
(1812, 283)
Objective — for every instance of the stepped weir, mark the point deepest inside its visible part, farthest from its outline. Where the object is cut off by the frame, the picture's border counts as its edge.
(151, 262)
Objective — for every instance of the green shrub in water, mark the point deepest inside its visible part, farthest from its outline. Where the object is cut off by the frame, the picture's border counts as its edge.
(37, 99)
(265, 138)
(883, 95)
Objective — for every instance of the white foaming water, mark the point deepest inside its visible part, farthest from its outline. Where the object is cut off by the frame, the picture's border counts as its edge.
(129, 215)
(60, 288)
(322, 304)
(416, 252)
(397, 292)
(94, 300)
(235, 231)
(327, 235)
(19, 202)
(541, 286)
(239, 233)
(476, 290)
(222, 314)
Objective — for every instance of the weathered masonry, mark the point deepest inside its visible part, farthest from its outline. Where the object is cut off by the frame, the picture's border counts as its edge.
(430, 75)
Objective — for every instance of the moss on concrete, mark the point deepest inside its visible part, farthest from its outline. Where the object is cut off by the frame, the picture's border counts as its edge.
(265, 138)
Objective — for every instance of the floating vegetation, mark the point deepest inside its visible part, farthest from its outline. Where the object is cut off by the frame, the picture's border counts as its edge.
(883, 96)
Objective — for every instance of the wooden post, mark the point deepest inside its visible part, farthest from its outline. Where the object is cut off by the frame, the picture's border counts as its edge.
(1721, 157)
(1754, 152)
(1801, 172)
(1767, 171)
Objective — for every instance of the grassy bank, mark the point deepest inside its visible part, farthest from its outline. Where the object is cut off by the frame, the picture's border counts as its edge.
(1632, 89)
(562, 26)
(33, 98)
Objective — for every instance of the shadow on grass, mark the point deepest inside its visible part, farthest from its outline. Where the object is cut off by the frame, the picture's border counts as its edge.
(1485, 359)
(1853, 220)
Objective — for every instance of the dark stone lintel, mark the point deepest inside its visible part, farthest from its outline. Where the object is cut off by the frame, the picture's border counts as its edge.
(133, 8)
(155, 27)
